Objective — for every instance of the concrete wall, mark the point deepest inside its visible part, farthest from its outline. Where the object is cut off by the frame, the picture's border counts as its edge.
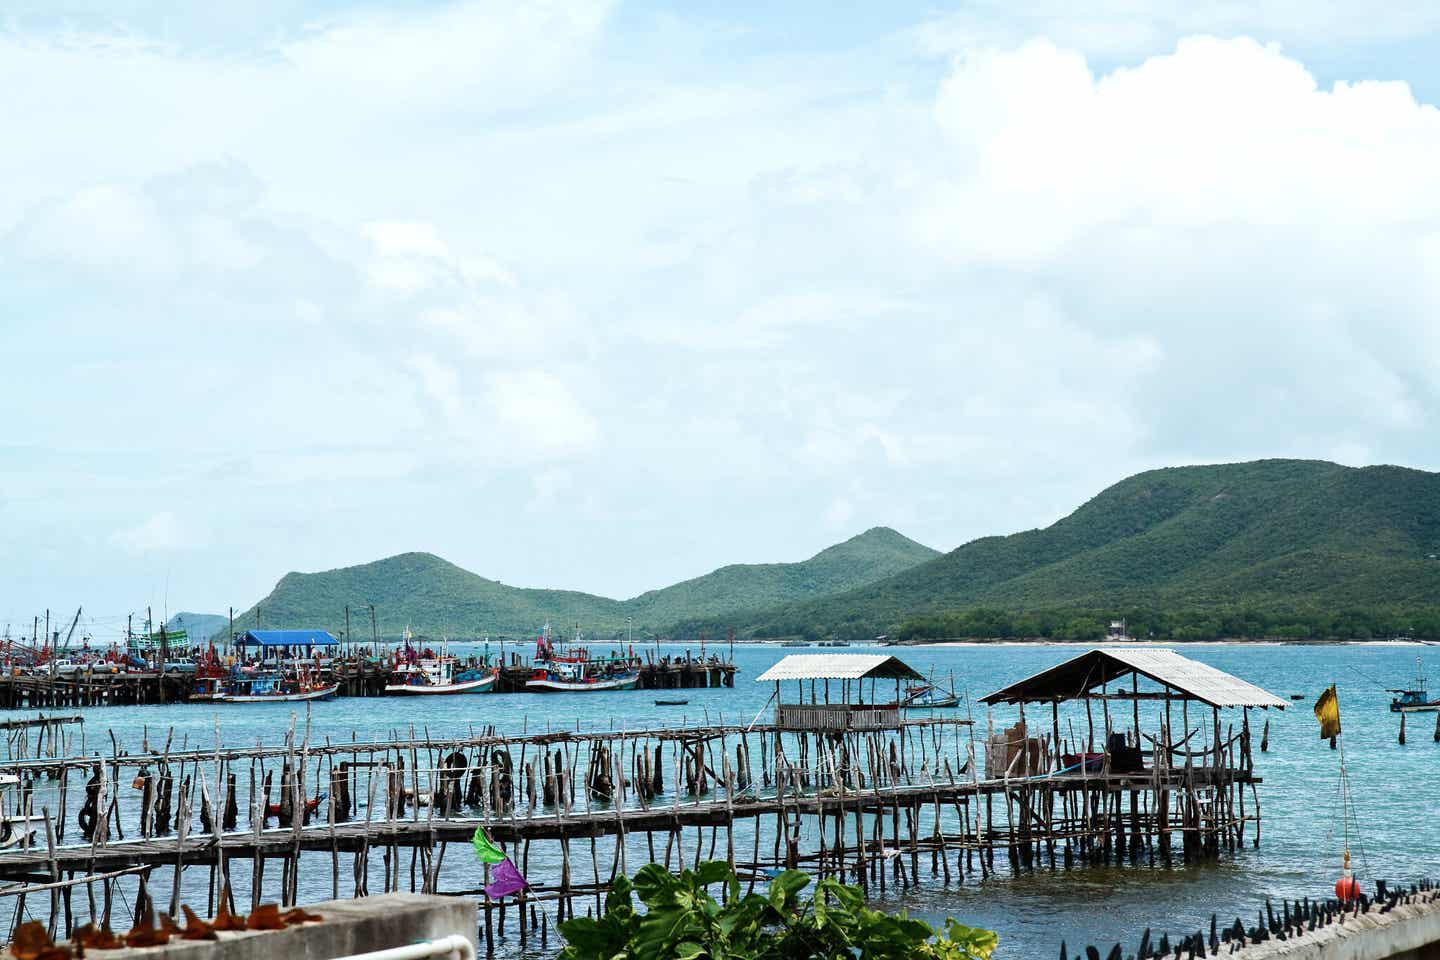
(1410, 931)
(348, 927)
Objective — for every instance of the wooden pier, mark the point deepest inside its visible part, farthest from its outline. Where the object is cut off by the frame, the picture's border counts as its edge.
(358, 677)
(886, 802)
(91, 688)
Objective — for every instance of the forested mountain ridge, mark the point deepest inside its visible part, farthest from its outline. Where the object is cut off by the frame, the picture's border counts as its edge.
(436, 597)
(1284, 537)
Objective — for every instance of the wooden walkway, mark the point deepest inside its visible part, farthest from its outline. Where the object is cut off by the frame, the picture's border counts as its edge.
(575, 808)
(351, 836)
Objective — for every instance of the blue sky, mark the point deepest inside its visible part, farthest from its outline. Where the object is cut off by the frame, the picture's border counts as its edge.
(604, 295)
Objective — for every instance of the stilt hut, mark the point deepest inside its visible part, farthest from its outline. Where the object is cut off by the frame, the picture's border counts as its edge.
(1136, 676)
(1194, 776)
(848, 671)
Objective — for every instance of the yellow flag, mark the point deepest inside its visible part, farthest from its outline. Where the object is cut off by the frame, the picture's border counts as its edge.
(1327, 711)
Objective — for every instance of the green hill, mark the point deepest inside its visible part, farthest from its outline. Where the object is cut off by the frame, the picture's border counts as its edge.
(436, 597)
(1275, 540)
(197, 625)
(872, 555)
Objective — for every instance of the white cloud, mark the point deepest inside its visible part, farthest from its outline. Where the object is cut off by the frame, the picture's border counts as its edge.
(105, 226)
(440, 382)
(1131, 27)
(477, 48)
(839, 513)
(1220, 131)
(547, 486)
(159, 533)
(540, 415)
(407, 240)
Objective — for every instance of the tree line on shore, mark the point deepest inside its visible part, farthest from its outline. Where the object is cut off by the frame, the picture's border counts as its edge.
(1198, 623)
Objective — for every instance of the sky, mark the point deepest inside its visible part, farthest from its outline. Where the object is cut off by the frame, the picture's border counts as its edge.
(604, 295)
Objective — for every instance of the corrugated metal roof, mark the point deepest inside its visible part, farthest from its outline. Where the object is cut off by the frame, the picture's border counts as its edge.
(1073, 678)
(840, 666)
(287, 638)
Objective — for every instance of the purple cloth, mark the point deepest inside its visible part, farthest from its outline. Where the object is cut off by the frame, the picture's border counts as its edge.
(505, 880)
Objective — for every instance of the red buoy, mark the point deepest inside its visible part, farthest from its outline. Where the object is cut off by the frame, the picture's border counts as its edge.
(1347, 889)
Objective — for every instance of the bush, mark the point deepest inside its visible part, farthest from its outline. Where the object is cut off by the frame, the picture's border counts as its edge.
(682, 921)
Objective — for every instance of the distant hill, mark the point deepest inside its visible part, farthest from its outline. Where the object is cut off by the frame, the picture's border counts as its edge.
(1276, 535)
(872, 555)
(197, 625)
(433, 596)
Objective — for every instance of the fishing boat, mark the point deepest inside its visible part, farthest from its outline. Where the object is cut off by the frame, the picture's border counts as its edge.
(671, 703)
(288, 670)
(561, 677)
(437, 676)
(576, 671)
(207, 690)
(274, 687)
(1416, 699)
(211, 675)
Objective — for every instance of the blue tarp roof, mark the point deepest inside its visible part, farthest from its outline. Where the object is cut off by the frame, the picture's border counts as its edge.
(287, 638)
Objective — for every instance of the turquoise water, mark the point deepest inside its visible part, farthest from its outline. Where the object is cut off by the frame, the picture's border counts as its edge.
(1299, 854)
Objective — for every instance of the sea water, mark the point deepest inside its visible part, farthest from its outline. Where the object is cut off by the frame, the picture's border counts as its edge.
(1302, 833)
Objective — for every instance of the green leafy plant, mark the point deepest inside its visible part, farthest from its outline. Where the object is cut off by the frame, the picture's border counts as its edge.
(683, 921)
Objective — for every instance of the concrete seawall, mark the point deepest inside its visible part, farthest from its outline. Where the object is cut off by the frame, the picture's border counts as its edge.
(1406, 931)
(348, 927)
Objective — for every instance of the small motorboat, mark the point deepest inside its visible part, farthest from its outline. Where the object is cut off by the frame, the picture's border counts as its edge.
(1297, 696)
(928, 696)
(671, 703)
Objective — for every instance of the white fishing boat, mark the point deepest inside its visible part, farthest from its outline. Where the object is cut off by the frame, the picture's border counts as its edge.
(432, 677)
(14, 830)
(556, 684)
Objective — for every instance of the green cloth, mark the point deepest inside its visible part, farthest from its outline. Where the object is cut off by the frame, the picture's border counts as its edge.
(485, 851)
